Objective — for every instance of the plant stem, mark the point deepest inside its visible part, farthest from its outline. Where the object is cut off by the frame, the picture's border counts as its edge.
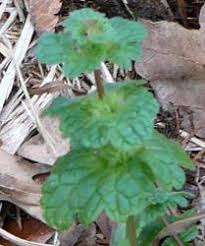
(99, 83)
(131, 230)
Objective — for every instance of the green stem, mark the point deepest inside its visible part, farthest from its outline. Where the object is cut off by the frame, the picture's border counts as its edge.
(99, 83)
(131, 230)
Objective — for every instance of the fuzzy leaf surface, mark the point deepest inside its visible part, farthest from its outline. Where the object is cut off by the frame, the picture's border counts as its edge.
(161, 201)
(126, 44)
(165, 157)
(90, 38)
(60, 48)
(88, 181)
(51, 47)
(123, 118)
(88, 24)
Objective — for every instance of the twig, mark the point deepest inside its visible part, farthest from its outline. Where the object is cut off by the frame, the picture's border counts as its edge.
(177, 227)
(3, 7)
(21, 47)
(194, 140)
(8, 23)
(49, 88)
(131, 230)
(166, 4)
(19, 6)
(182, 11)
(99, 83)
(125, 3)
(176, 238)
(34, 114)
(106, 74)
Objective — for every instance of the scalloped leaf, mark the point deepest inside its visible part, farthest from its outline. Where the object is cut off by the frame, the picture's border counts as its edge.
(165, 157)
(52, 46)
(83, 58)
(88, 181)
(126, 44)
(88, 24)
(60, 48)
(161, 201)
(90, 38)
(123, 118)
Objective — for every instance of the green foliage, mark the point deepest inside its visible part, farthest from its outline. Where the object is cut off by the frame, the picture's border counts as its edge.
(90, 38)
(119, 237)
(129, 35)
(118, 164)
(87, 24)
(88, 181)
(151, 229)
(164, 157)
(122, 119)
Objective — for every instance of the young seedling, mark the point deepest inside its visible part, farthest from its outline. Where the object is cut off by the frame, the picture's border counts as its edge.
(118, 163)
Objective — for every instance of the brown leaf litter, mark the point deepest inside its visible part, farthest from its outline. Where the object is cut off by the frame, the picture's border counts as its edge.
(32, 230)
(37, 150)
(17, 185)
(44, 14)
(173, 61)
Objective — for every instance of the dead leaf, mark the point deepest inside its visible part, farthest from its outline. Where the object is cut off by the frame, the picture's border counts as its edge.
(78, 234)
(174, 62)
(17, 185)
(32, 230)
(105, 225)
(49, 88)
(88, 236)
(37, 150)
(44, 14)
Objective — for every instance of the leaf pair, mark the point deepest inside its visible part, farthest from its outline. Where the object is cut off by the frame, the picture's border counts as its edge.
(90, 38)
(89, 181)
(116, 161)
(124, 118)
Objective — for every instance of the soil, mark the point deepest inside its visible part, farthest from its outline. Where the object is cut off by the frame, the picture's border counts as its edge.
(150, 9)
(186, 14)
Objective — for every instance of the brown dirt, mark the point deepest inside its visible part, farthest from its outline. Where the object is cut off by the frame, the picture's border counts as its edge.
(147, 9)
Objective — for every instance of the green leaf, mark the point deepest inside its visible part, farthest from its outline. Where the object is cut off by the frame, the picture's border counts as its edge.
(162, 200)
(88, 181)
(165, 157)
(60, 48)
(123, 118)
(148, 234)
(90, 38)
(186, 236)
(189, 234)
(83, 58)
(52, 47)
(126, 44)
(119, 236)
(172, 242)
(152, 228)
(88, 24)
